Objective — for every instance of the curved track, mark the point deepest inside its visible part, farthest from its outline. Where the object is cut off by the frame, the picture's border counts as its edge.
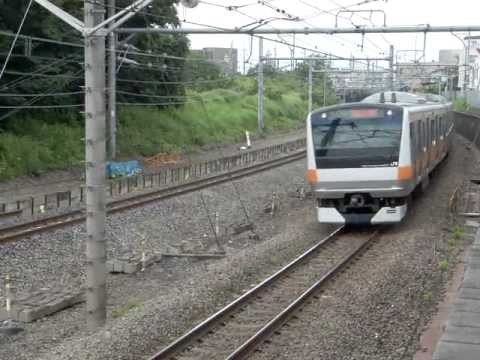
(240, 327)
(19, 231)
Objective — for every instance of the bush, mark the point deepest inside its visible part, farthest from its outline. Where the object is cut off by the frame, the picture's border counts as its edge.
(221, 115)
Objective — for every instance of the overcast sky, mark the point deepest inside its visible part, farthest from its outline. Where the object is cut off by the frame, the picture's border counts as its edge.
(399, 12)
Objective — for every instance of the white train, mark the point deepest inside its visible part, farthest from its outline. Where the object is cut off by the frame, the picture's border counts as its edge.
(365, 159)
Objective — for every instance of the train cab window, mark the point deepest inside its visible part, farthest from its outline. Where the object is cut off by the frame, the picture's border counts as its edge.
(355, 137)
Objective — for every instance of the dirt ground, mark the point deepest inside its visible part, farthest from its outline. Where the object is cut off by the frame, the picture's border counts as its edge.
(56, 181)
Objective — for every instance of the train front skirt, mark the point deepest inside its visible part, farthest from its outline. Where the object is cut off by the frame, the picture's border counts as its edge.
(386, 215)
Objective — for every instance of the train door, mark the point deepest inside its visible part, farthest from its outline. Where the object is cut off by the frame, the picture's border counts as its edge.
(418, 152)
(423, 154)
(431, 143)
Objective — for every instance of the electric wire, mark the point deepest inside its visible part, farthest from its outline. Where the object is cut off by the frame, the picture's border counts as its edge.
(15, 39)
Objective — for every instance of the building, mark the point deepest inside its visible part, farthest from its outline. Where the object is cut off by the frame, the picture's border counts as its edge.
(415, 75)
(225, 58)
(450, 56)
(468, 62)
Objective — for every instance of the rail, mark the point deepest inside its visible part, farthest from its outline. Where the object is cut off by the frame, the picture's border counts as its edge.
(169, 176)
(21, 230)
(221, 319)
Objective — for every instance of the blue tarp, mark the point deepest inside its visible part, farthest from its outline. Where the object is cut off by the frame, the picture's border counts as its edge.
(123, 168)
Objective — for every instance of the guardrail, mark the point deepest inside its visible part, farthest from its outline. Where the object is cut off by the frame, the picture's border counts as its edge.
(166, 177)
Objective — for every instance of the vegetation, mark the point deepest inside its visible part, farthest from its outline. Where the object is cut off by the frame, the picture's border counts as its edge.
(190, 101)
(124, 309)
(43, 67)
(461, 104)
(34, 144)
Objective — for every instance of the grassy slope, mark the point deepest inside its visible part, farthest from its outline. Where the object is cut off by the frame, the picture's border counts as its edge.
(35, 145)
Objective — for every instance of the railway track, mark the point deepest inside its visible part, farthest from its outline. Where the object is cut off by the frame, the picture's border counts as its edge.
(239, 328)
(22, 230)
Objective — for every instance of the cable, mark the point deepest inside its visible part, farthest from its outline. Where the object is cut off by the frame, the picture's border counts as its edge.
(15, 39)
(44, 95)
(20, 107)
(16, 82)
(31, 102)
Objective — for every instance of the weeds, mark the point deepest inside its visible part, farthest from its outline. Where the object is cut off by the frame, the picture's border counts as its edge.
(444, 265)
(124, 309)
(36, 145)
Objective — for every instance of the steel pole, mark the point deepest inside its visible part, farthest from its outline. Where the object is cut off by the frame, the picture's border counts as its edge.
(325, 87)
(95, 154)
(390, 62)
(308, 30)
(112, 86)
(261, 124)
(310, 88)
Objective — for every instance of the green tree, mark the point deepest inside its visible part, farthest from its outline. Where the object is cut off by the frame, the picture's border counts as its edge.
(61, 66)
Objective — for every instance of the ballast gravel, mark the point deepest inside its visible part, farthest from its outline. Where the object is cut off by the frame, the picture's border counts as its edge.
(375, 310)
(171, 226)
(379, 307)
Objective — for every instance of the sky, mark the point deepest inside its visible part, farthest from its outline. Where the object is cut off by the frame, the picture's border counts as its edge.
(321, 13)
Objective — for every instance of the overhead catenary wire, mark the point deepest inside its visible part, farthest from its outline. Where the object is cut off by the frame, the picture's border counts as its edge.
(15, 39)
(33, 100)
(71, 93)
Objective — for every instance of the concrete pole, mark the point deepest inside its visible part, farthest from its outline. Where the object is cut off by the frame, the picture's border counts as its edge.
(325, 87)
(261, 124)
(95, 154)
(112, 87)
(390, 63)
(310, 87)
(244, 63)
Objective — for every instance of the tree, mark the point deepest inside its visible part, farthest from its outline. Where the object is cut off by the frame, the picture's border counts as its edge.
(61, 66)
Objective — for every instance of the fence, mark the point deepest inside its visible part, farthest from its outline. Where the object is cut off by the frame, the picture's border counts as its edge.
(163, 178)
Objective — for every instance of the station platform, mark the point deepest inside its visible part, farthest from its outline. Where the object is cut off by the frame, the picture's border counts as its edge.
(461, 338)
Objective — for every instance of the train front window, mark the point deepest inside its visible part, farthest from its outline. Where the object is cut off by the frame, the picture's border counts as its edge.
(358, 137)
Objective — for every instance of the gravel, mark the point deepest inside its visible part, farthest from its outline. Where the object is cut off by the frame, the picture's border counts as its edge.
(379, 307)
(64, 180)
(375, 311)
(182, 224)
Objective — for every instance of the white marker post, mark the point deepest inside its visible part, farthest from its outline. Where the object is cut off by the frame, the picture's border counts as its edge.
(247, 136)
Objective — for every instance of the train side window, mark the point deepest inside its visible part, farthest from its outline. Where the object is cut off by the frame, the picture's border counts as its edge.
(432, 130)
(413, 138)
(419, 136)
(423, 135)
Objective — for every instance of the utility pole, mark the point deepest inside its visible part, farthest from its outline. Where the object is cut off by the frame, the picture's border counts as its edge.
(95, 155)
(112, 86)
(390, 62)
(244, 63)
(310, 87)
(325, 87)
(261, 124)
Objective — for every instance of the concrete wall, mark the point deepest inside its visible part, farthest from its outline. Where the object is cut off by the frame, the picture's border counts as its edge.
(473, 98)
(468, 125)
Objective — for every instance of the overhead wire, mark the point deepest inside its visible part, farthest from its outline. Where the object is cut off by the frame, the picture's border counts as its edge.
(15, 39)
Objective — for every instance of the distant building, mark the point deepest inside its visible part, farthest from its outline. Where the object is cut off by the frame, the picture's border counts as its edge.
(469, 74)
(225, 58)
(414, 75)
(451, 57)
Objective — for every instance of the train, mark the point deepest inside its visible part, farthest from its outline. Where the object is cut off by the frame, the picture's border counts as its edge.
(366, 159)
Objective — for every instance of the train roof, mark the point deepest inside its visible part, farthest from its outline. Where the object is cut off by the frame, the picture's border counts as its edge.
(405, 98)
